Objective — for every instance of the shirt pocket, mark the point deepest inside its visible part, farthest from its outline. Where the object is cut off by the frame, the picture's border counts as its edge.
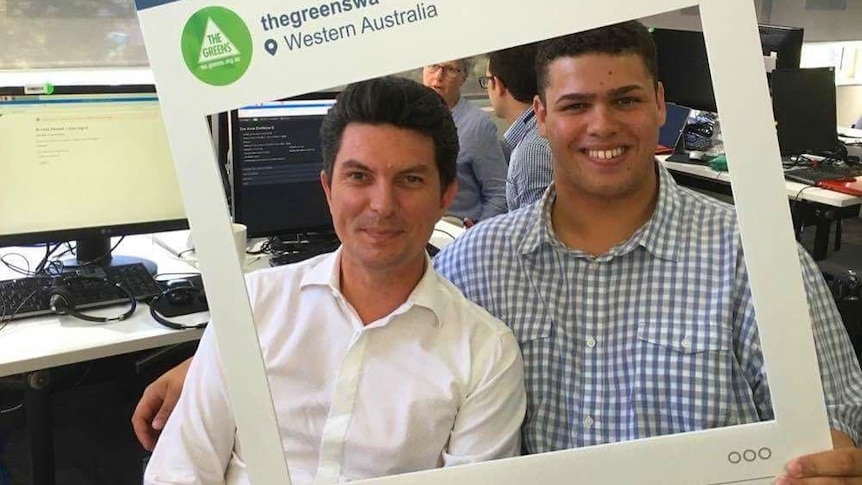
(684, 377)
(536, 339)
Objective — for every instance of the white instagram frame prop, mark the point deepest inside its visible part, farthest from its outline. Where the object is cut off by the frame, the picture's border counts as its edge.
(753, 453)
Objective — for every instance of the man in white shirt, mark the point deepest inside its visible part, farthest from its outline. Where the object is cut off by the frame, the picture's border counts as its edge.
(376, 364)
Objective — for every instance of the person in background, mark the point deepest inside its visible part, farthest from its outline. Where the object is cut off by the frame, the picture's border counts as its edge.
(481, 163)
(511, 84)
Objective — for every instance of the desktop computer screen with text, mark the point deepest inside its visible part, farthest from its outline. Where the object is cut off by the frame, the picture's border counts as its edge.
(276, 166)
(78, 165)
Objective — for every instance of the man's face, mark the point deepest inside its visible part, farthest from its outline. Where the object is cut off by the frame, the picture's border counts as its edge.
(601, 116)
(446, 78)
(385, 197)
(494, 93)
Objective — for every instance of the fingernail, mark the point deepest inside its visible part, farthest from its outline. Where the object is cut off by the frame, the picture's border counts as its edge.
(158, 423)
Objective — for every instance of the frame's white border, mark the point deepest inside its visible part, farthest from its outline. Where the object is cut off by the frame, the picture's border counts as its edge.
(741, 92)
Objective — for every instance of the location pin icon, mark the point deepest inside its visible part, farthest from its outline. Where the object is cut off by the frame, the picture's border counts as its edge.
(271, 46)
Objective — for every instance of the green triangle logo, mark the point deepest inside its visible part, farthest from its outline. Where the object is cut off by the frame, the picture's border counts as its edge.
(216, 45)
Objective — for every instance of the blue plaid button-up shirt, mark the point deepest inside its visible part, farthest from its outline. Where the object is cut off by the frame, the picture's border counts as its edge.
(531, 168)
(657, 336)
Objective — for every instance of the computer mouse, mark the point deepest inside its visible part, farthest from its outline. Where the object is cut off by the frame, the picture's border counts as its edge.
(696, 155)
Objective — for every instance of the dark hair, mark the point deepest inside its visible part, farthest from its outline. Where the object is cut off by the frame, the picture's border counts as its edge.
(516, 69)
(394, 101)
(624, 38)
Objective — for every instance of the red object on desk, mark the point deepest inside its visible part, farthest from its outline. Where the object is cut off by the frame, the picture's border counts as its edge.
(849, 185)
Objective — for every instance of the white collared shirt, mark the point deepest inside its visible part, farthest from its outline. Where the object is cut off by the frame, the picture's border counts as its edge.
(438, 382)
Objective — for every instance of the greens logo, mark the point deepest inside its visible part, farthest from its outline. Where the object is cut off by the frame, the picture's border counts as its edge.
(216, 46)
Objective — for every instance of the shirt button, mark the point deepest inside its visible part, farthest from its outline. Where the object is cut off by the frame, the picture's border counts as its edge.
(588, 422)
(591, 342)
(686, 343)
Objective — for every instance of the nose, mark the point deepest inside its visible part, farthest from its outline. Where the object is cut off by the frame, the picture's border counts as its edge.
(384, 199)
(440, 74)
(603, 121)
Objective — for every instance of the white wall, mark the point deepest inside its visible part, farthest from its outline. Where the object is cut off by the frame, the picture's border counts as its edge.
(849, 104)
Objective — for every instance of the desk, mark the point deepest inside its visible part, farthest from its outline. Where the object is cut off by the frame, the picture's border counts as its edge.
(34, 345)
(824, 206)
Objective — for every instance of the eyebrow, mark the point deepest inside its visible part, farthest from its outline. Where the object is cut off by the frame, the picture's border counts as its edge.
(416, 168)
(581, 97)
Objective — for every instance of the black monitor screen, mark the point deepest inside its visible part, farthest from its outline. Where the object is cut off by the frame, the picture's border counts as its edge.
(276, 166)
(683, 68)
(85, 163)
(803, 102)
(783, 42)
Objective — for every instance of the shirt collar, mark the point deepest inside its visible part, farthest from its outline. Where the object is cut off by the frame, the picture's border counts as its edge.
(427, 293)
(660, 235)
(519, 129)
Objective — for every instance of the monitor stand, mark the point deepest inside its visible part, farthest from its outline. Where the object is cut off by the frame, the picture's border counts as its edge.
(97, 251)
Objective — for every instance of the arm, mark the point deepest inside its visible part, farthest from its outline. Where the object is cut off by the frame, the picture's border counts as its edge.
(156, 404)
(488, 424)
(198, 440)
(839, 369)
(489, 168)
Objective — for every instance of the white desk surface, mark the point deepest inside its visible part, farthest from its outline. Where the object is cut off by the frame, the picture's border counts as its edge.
(43, 342)
(49, 341)
(794, 190)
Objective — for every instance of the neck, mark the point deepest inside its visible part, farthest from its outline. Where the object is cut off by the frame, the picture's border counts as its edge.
(595, 224)
(375, 294)
(451, 103)
(515, 110)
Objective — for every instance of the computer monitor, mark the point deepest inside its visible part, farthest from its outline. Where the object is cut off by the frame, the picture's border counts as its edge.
(276, 167)
(784, 42)
(803, 102)
(683, 68)
(85, 163)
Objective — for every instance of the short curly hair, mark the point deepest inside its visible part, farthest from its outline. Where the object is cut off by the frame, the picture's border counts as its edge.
(624, 38)
(399, 102)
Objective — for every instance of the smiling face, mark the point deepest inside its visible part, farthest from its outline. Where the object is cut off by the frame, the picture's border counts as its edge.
(602, 115)
(385, 197)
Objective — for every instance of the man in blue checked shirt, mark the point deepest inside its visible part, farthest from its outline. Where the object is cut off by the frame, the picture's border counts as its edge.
(628, 294)
(511, 85)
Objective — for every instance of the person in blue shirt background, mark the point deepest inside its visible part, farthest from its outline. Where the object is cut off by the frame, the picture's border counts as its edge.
(481, 163)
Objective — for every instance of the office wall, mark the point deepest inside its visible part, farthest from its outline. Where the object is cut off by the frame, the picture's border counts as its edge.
(820, 25)
(849, 104)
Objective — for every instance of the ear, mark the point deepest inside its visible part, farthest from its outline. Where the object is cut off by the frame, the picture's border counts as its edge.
(541, 114)
(660, 103)
(448, 197)
(327, 187)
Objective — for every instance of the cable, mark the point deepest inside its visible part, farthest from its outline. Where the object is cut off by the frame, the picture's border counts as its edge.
(796, 197)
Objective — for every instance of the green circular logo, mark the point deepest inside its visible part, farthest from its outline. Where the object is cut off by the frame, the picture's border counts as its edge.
(216, 46)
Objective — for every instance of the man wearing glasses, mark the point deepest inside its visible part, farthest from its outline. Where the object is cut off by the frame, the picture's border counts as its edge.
(511, 85)
(481, 163)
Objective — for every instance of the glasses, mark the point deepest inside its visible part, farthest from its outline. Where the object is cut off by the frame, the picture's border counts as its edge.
(485, 81)
(448, 71)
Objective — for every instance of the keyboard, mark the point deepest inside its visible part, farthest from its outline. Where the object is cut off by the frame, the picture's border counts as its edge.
(813, 175)
(30, 297)
(312, 250)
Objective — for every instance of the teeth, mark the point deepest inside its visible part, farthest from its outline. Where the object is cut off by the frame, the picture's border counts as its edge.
(606, 154)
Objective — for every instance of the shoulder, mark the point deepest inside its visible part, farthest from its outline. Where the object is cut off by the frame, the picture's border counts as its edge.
(472, 118)
(489, 244)
(705, 213)
(533, 150)
(470, 317)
